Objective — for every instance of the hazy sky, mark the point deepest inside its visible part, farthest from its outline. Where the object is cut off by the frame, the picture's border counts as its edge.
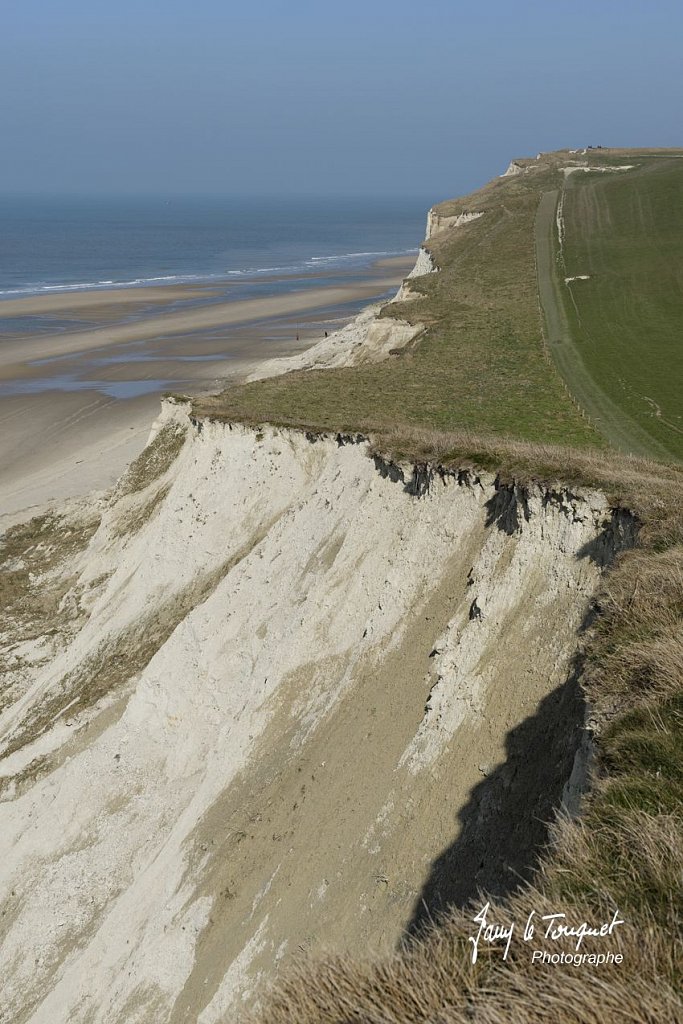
(354, 97)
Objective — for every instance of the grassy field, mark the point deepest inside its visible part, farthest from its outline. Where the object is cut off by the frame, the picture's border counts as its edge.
(621, 430)
(609, 371)
(625, 230)
(481, 363)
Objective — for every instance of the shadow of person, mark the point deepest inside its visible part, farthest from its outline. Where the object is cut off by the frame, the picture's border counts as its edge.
(504, 824)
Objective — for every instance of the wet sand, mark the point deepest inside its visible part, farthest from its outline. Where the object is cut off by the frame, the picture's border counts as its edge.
(77, 403)
(13, 353)
(60, 302)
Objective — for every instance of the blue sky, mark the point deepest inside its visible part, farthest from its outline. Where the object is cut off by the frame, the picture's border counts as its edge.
(269, 97)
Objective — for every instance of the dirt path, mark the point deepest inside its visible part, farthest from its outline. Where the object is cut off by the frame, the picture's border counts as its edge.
(619, 429)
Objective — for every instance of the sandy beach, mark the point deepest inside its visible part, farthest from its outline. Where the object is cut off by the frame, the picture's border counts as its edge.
(81, 372)
(77, 301)
(13, 354)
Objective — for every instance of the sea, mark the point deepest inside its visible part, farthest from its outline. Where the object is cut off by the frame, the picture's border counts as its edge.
(62, 244)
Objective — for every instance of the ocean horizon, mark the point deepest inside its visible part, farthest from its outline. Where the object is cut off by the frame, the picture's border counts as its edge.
(53, 244)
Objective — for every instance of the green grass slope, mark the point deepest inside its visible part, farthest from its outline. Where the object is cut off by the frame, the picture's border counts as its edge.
(600, 365)
(625, 230)
(481, 364)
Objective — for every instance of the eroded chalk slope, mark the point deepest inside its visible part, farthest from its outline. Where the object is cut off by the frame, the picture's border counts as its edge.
(294, 685)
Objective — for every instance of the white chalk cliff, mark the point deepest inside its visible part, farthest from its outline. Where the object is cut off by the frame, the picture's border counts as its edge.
(283, 678)
(439, 222)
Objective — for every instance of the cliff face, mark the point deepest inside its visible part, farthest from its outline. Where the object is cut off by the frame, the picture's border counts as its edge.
(290, 693)
(436, 222)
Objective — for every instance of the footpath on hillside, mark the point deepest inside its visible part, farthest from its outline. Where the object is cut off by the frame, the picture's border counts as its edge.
(619, 429)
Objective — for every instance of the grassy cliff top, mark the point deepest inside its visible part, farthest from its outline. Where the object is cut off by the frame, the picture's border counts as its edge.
(488, 363)
(480, 363)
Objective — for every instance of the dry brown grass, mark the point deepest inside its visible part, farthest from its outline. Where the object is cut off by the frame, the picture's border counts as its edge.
(433, 981)
(650, 489)
(637, 652)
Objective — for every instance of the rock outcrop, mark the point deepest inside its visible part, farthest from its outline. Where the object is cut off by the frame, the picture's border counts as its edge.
(438, 222)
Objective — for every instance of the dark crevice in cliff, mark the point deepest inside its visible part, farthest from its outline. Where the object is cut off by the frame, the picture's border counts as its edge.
(388, 470)
(619, 533)
(504, 507)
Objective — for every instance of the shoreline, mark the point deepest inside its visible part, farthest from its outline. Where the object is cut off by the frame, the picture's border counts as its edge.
(88, 296)
(18, 350)
(58, 302)
(63, 442)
